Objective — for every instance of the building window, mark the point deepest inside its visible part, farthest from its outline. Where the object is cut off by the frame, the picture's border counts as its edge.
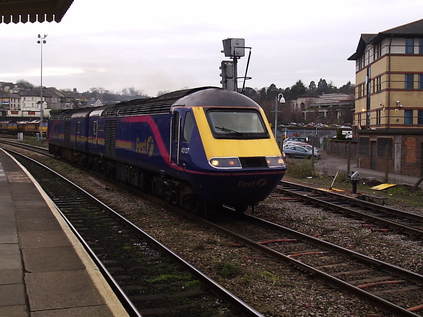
(378, 50)
(421, 81)
(421, 47)
(408, 117)
(378, 114)
(378, 83)
(420, 117)
(409, 81)
(409, 46)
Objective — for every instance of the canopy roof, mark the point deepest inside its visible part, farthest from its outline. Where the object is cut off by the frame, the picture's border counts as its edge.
(22, 11)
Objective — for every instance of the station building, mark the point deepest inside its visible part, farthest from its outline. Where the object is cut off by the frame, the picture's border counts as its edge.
(388, 117)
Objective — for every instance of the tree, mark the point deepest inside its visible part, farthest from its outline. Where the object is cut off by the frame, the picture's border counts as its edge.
(21, 83)
(298, 89)
(322, 86)
(162, 92)
(133, 92)
(312, 87)
(348, 88)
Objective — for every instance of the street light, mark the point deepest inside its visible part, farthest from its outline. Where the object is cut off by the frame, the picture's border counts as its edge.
(41, 40)
(279, 99)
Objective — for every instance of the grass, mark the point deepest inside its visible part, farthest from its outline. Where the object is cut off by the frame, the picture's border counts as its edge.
(170, 277)
(269, 277)
(228, 270)
(302, 171)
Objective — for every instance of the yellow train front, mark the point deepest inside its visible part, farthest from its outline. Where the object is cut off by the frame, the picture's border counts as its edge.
(226, 148)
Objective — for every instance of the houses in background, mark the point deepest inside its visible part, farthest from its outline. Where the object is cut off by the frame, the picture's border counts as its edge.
(24, 103)
(335, 108)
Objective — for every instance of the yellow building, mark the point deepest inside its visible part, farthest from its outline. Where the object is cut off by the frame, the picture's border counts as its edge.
(388, 116)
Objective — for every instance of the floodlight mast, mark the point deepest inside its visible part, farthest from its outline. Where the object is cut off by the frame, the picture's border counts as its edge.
(41, 40)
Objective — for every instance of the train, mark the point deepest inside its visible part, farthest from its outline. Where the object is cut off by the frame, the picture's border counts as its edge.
(194, 147)
(27, 127)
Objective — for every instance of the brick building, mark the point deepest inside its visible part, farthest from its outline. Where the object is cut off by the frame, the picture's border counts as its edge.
(388, 118)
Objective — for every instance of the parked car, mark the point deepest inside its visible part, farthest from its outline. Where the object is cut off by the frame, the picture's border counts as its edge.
(295, 143)
(301, 151)
(296, 139)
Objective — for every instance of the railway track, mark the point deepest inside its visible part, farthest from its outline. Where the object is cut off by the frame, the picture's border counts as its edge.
(380, 216)
(33, 148)
(148, 278)
(397, 290)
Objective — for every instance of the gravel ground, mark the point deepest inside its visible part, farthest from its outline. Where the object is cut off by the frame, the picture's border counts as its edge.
(272, 288)
(349, 233)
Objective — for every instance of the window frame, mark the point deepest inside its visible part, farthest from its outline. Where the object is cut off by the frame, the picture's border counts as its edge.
(408, 119)
(409, 46)
(420, 117)
(409, 81)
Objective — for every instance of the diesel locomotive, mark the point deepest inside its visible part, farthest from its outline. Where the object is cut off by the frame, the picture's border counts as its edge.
(203, 145)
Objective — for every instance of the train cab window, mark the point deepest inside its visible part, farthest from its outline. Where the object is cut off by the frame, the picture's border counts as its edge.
(236, 124)
(188, 127)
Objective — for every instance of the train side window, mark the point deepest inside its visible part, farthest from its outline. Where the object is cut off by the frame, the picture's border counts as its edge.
(78, 127)
(188, 127)
(95, 127)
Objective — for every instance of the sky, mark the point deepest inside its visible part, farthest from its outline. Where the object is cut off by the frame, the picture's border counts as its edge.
(165, 45)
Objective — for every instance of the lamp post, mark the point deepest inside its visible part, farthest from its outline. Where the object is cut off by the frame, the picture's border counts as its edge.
(279, 99)
(41, 40)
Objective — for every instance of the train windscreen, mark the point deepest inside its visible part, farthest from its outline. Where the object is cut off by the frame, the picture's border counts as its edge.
(236, 124)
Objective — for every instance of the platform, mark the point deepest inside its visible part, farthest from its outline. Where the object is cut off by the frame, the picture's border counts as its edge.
(44, 270)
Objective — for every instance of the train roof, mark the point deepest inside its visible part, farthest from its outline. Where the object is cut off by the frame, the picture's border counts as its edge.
(202, 96)
(160, 104)
(216, 97)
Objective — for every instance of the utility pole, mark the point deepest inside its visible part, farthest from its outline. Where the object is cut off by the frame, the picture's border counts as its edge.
(41, 40)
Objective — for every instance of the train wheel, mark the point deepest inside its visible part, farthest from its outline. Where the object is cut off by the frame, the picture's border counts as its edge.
(188, 200)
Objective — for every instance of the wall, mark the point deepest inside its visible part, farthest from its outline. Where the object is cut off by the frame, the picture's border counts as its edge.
(340, 148)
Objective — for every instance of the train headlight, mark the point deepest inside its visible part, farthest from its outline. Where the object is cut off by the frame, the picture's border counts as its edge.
(225, 162)
(275, 161)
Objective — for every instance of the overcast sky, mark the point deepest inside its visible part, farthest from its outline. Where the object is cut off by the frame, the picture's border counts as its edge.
(168, 45)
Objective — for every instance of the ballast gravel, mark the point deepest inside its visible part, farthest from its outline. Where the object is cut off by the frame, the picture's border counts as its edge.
(271, 287)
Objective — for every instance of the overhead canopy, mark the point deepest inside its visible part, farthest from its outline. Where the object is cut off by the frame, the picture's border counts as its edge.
(22, 11)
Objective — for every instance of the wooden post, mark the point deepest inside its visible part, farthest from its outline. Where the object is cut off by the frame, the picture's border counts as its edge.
(388, 162)
(348, 158)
